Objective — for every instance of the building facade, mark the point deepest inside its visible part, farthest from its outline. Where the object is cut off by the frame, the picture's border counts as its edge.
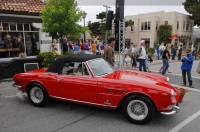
(146, 28)
(21, 18)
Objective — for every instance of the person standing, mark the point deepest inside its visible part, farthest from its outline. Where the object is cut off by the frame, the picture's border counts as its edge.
(142, 56)
(9, 45)
(94, 48)
(71, 48)
(76, 48)
(157, 51)
(173, 52)
(186, 67)
(133, 56)
(146, 61)
(166, 59)
(21, 48)
(161, 49)
(64, 47)
(86, 47)
(54, 46)
(82, 46)
(109, 54)
(125, 55)
(180, 49)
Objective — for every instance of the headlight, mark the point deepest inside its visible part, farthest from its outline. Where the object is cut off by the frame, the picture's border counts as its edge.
(167, 79)
(172, 95)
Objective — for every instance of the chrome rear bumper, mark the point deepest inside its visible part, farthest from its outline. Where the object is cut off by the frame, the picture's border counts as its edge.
(16, 86)
(174, 110)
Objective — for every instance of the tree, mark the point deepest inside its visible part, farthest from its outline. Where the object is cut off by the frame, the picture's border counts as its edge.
(98, 28)
(101, 15)
(129, 23)
(60, 18)
(193, 8)
(164, 33)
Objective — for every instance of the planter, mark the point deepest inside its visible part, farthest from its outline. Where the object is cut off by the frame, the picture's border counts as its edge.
(181, 97)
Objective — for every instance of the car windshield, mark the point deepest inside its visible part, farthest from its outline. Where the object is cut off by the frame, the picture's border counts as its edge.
(100, 67)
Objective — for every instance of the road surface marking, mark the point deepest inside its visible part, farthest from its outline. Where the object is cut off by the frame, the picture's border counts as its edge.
(21, 96)
(11, 96)
(176, 74)
(17, 95)
(185, 122)
(190, 89)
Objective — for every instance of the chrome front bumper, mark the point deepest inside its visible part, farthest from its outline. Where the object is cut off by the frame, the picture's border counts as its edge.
(174, 110)
(16, 86)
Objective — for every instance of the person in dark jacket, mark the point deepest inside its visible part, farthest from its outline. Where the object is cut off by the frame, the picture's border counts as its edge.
(65, 47)
(180, 49)
(109, 54)
(21, 48)
(173, 52)
(187, 62)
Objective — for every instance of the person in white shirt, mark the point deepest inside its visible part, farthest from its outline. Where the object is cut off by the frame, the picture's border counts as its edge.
(161, 49)
(142, 56)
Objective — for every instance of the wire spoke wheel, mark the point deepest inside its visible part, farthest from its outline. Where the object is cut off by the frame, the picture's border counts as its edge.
(36, 95)
(137, 109)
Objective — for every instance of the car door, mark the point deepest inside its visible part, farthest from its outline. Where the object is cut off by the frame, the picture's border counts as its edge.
(80, 88)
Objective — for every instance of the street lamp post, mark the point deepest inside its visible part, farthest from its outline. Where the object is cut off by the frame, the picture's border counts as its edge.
(84, 16)
(106, 34)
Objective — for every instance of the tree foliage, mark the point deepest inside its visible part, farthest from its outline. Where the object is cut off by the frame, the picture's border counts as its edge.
(164, 33)
(101, 15)
(129, 23)
(98, 28)
(193, 8)
(60, 18)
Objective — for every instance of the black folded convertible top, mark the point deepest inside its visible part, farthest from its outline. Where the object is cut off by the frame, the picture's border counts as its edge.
(58, 64)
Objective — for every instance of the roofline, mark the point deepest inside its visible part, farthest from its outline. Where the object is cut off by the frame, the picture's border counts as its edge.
(20, 12)
(157, 12)
(20, 16)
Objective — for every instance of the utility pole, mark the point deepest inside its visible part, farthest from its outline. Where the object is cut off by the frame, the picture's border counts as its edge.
(106, 34)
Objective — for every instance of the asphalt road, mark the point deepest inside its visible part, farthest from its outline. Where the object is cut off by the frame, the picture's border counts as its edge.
(18, 115)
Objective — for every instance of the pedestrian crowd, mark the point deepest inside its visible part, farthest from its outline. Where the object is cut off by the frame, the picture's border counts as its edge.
(75, 47)
(138, 54)
(19, 44)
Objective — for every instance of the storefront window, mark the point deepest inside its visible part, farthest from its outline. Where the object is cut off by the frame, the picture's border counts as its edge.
(32, 43)
(12, 26)
(28, 33)
(26, 27)
(5, 26)
(19, 27)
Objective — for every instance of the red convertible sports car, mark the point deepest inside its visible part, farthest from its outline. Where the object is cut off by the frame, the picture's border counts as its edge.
(90, 80)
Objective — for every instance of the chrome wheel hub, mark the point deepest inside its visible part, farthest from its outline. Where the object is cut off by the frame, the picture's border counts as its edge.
(36, 95)
(137, 109)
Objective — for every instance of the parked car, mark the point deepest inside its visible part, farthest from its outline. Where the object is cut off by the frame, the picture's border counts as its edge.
(90, 80)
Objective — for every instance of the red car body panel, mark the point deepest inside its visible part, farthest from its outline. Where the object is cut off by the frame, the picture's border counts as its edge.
(105, 92)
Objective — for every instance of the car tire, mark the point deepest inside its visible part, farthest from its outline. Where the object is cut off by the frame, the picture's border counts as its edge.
(38, 95)
(138, 109)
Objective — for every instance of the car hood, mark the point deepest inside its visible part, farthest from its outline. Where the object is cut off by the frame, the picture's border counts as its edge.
(138, 78)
